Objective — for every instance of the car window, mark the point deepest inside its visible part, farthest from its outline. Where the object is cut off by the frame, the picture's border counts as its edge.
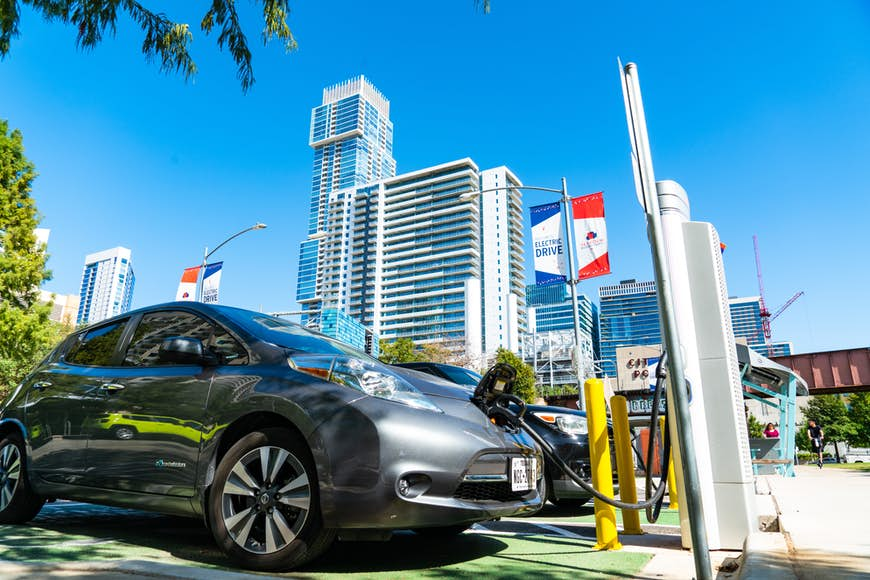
(155, 327)
(96, 346)
(461, 376)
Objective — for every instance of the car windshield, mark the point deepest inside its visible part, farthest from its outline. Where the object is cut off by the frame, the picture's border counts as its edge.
(461, 376)
(289, 334)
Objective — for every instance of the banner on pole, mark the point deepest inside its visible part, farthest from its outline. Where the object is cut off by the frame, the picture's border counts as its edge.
(211, 281)
(187, 286)
(590, 234)
(548, 242)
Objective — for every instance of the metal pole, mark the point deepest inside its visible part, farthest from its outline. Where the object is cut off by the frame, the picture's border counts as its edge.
(647, 186)
(572, 282)
(201, 274)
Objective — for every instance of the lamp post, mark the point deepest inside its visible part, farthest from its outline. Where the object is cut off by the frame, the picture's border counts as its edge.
(206, 254)
(569, 242)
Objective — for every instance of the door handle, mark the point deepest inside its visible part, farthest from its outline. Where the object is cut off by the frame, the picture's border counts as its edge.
(41, 385)
(112, 387)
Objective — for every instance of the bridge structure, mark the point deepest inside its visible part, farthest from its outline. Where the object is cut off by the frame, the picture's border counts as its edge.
(831, 372)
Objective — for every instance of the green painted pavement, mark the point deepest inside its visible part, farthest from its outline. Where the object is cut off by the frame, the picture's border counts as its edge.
(82, 533)
(586, 515)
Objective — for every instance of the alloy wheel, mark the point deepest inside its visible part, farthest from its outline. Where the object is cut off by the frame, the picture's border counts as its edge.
(266, 500)
(10, 471)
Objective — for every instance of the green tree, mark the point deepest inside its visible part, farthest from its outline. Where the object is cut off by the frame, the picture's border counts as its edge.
(165, 40)
(401, 350)
(524, 387)
(756, 429)
(859, 415)
(829, 412)
(25, 330)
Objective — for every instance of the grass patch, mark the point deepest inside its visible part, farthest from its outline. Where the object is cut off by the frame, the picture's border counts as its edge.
(850, 466)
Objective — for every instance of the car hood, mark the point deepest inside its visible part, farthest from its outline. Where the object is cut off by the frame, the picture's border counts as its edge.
(434, 386)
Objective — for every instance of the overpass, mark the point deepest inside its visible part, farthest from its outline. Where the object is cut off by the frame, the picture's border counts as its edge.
(834, 371)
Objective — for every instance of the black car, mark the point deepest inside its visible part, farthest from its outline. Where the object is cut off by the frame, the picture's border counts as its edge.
(277, 437)
(564, 429)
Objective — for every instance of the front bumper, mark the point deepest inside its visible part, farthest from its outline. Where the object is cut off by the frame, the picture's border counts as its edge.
(453, 467)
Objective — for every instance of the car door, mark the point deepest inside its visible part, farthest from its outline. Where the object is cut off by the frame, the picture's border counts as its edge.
(148, 433)
(60, 402)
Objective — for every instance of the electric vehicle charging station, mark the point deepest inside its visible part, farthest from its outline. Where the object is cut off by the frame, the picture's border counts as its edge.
(706, 421)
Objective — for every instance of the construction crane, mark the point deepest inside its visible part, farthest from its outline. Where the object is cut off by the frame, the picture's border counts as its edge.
(766, 316)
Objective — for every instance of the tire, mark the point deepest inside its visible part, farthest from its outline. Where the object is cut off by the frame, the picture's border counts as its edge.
(268, 521)
(442, 532)
(18, 503)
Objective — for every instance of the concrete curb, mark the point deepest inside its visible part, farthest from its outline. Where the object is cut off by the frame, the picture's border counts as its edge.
(138, 568)
(766, 555)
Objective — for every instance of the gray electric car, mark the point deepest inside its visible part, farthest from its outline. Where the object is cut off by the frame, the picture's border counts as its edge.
(564, 429)
(279, 438)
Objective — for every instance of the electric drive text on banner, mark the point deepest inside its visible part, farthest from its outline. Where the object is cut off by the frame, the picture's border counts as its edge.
(187, 286)
(590, 235)
(547, 239)
(211, 281)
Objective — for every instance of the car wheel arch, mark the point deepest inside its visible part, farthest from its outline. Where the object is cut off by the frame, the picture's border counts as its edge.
(8, 426)
(256, 421)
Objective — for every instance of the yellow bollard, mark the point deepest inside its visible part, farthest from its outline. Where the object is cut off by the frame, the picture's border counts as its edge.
(602, 470)
(672, 478)
(624, 464)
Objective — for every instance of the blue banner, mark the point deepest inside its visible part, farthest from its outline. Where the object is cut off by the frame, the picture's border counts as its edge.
(548, 244)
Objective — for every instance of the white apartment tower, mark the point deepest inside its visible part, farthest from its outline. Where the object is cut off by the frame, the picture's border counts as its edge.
(107, 285)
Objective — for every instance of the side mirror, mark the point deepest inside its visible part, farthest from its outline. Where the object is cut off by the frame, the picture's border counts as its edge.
(186, 351)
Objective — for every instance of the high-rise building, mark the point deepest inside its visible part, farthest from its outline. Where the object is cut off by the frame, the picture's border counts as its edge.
(629, 316)
(107, 285)
(549, 345)
(747, 325)
(411, 255)
(352, 137)
(64, 307)
(406, 257)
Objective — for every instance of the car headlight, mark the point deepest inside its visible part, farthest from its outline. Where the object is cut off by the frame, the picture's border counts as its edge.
(369, 377)
(564, 422)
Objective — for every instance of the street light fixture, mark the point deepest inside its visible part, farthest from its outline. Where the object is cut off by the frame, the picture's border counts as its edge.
(206, 254)
(569, 239)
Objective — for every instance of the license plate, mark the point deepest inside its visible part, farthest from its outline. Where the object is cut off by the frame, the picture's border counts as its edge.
(524, 473)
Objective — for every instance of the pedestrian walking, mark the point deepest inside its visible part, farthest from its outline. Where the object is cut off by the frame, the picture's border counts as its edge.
(817, 437)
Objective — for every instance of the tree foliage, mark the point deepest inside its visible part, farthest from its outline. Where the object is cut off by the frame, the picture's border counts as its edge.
(756, 429)
(25, 330)
(859, 415)
(401, 350)
(164, 40)
(524, 387)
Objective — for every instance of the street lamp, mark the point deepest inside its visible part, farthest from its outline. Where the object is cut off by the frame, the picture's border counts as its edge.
(569, 238)
(206, 254)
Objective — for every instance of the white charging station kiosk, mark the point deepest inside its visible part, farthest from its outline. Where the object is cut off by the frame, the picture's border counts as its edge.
(707, 421)
(716, 406)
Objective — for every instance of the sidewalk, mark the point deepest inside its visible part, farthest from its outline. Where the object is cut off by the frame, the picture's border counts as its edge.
(824, 519)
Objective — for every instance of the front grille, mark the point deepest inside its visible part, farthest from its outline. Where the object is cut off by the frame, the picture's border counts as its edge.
(488, 491)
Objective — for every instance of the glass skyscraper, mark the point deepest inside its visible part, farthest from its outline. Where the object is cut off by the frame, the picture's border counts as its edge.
(629, 316)
(417, 255)
(746, 322)
(107, 285)
(352, 137)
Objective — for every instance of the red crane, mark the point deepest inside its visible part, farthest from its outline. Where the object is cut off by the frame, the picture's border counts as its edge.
(766, 316)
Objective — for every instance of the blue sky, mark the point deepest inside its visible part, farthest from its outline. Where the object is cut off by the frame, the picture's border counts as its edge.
(758, 109)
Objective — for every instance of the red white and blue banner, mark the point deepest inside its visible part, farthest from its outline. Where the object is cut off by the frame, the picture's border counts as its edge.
(211, 282)
(548, 243)
(590, 236)
(187, 287)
